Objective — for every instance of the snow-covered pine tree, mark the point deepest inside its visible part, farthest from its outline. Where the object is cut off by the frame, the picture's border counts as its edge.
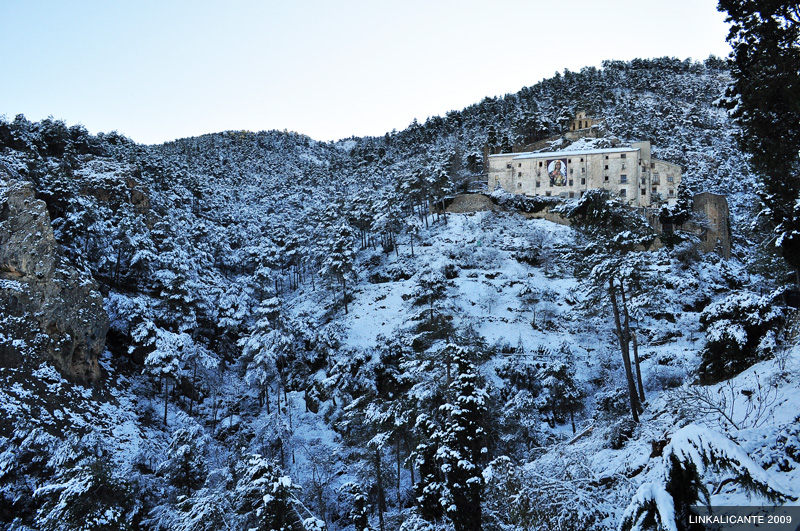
(185, 465)
(266, 348)
(264, 496)
(462, 448)
(338, 262)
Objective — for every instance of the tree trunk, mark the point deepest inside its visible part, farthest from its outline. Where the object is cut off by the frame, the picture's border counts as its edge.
(631, 338)
(410, 461)
(344, 294)
(166, 397)
(381, 497)
(626, 360)
(447, 362)
(638, 368)
(397, 450)
(194, 379)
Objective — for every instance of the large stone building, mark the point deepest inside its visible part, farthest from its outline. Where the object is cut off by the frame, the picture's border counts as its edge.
(629, 173)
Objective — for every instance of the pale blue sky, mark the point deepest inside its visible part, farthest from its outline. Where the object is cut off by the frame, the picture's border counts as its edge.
(160, 70)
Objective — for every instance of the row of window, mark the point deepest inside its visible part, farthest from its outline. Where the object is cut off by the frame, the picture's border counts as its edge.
(623, 192)
(623, 179)
(583, 170)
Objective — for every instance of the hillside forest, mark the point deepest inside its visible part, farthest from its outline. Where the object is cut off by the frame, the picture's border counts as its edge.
(258, 330)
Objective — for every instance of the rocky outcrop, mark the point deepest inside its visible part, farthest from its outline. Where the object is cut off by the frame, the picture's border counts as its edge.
(50, 311)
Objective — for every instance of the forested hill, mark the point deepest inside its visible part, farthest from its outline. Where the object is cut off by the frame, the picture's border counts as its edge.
(666, 101)
(263, 331)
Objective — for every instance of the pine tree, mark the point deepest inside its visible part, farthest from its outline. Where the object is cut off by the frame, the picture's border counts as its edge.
(561, 396)
(462, 450)
(339, 260)
(186, 465)
(616, 269)
(264, 496)
(87, 494)
(266, 348)
(765, 100)
(430, 488)
(431, 287)
(358, 502)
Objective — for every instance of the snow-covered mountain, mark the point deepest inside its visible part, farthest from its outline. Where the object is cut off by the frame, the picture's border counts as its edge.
(298, 335)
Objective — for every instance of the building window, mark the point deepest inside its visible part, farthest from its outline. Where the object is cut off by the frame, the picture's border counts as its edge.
(623, 179)
(623, 156)
(519, 165)
(644, 191)
(652, 165)
(644, 180)
(669, 178)
(581, 159)
(583, 180)
(540, 163)
(571, 170)
(519, 174)
(605, 179)
(606, 157)
(655, 190)
(572, 195)
(508, 166)
(538, 184)
(519, 185)
(569, 161)
(623, 192)
(570, 182)
(623, 165)
(583, 170)
(672, 193)
(547, 193)
(606, 166)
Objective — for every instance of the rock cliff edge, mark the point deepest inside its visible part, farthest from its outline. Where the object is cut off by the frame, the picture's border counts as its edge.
(50, 310)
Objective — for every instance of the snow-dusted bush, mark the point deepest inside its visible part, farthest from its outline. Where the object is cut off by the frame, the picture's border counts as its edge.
(735, 331)
(620, 432)
(789, 442)
(89, 496)
(186, 465)
(663, 503)
(611, 402)
(666, 374)
(555, 492)
(450, 271)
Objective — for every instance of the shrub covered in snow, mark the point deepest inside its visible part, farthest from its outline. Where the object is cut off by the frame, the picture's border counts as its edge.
(735, 328)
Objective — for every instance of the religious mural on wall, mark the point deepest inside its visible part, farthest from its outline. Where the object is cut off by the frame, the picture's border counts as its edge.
(557, 170)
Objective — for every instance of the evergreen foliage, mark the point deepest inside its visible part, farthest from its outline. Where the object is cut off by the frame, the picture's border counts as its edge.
(735, 329)
(223, 261)
(764, 99)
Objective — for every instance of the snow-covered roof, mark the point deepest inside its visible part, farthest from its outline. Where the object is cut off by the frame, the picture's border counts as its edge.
(556, 154)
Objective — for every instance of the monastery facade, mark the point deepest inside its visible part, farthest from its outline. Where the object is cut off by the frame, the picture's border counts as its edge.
(629, 173)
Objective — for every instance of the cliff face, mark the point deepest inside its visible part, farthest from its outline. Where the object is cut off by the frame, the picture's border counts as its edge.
(50, 311)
